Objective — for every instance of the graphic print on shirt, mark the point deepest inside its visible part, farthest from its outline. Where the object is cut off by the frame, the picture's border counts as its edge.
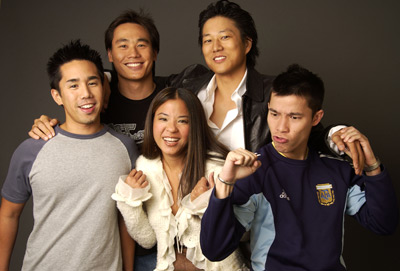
(283, 195)
(325, 194)
(128, 129)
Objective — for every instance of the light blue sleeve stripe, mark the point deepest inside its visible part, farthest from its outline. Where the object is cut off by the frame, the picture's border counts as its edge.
(256, 215)
(355, 199)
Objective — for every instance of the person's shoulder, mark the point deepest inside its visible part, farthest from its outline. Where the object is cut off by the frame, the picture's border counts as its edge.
(148, 165)
(253, 73)
(126, 140)
(196, 70)
(31, 146)
(192, 76)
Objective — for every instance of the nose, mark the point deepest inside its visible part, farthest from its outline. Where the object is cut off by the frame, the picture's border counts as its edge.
(283, 125)
(217, 46)
(133, 52)
(85, 92)
(171, 127)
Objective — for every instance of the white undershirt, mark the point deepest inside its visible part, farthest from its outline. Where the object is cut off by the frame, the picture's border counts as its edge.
(231, 133)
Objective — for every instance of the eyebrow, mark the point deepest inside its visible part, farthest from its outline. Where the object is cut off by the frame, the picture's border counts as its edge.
(126, 40)
(290, 114)
(165, 114)
(219, 32)
(74, 80)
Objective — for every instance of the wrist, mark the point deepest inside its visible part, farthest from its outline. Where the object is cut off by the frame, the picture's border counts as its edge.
(222, 190)
(374, 166)
(231, 183)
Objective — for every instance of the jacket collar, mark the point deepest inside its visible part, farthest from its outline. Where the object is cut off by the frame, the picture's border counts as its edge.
(253, 85)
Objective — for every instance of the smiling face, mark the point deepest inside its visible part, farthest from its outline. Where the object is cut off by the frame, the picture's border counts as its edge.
(132, 53)
(171, 128)
(290, 121)
(223, 48)
(81, 95)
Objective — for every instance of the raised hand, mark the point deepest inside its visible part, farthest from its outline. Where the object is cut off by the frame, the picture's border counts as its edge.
(351, 148)
(43, 128)
(202, 186)
(136, 179)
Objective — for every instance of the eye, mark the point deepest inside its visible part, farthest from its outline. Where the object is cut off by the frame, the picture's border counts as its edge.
(142, 45)
(93, 84)
(184, 121)
(74, 86)
(206, 41)
(225, 37)
(295, 117)
(273, 114)
(123, 46)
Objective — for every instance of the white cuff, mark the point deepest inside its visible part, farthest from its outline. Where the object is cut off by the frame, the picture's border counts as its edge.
(197, 206)
(332, 145)
(131, 196)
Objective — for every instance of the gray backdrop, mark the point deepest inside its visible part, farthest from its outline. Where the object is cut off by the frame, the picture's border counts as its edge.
(352, 45)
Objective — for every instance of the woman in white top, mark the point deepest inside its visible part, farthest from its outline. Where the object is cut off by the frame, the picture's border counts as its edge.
(164, 198)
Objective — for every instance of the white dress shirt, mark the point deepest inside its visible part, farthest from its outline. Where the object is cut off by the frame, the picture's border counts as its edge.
(231, 133)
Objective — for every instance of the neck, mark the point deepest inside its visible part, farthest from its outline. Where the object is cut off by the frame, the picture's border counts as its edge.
(227, 83)
(136, 90)
(173, 164)
(82, 129)
(298, 155)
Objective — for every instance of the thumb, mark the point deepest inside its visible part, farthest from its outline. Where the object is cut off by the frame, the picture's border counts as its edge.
(211, 180)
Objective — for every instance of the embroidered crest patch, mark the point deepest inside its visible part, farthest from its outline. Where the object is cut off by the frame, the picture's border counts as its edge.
(325, 194)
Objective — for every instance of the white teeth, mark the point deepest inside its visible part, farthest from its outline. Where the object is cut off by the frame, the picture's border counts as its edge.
(133, 64)
(170, 139)
(86, 106)
(219, 58)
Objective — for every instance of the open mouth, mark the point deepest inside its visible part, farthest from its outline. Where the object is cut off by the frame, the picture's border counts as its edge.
(219, 58)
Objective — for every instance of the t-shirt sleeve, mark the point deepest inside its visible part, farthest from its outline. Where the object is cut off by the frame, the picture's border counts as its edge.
(16, 187)
(130, 146)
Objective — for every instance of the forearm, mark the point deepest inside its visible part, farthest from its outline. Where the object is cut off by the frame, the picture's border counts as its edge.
(220, 231)
(222, 190)
(137, 224)
(380, 211)
(127, 246)
(8, 234)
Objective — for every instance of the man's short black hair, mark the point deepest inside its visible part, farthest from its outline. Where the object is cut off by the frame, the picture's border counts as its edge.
(299, 81)
(74, 50)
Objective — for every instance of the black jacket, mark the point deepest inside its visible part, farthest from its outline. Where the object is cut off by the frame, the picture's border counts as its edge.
(255, 105)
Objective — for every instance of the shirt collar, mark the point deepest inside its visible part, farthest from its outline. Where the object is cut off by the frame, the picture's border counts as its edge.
(212, 86)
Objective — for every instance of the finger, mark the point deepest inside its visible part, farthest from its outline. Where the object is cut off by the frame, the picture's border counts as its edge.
(132, 173)
(203, 182)
(43, 128)
(38, 133)
(353, 153)
(361, 159)
(48, 122)
(211, 182)
(245, 157)
(33, 135)
(142, 181)
(336, 138)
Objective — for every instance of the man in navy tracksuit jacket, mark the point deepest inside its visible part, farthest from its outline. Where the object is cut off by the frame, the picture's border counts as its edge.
(294, 203)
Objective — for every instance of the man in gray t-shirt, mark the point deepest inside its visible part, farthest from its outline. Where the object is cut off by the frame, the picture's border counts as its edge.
(70, 178)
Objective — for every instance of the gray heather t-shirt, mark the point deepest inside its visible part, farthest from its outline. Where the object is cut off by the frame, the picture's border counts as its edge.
(71, 178)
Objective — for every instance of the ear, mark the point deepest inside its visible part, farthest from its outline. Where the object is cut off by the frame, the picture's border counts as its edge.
(248, 44)
(109, 56)
(56, 96)
(317, 117)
